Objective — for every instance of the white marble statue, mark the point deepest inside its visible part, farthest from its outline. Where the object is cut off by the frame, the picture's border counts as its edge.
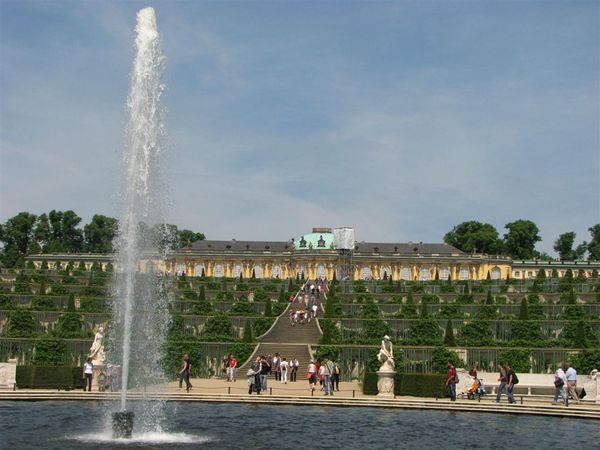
(386, 355)
(97, 349)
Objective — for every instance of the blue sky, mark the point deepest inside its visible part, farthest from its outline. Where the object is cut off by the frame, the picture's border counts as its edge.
(401, 119)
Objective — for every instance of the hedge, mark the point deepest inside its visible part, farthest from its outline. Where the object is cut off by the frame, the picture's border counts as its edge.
(44, 377)
(414, 384)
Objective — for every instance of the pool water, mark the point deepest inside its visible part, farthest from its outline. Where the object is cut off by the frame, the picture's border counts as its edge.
(83, 425)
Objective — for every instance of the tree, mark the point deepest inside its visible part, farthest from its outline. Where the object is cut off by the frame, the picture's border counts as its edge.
(188, 237)
(100, 233)
(524, 309)
(268, 308)
(449, 340)
(593, 247)
(521, 238)
(474, 236)
(564, 247)
(17, 236)
(64, 234)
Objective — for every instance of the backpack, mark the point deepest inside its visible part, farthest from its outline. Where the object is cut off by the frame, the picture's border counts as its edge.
(456, 379)
(336, 369)
(515, 379)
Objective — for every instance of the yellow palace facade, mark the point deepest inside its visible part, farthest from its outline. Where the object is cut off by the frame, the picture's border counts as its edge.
(317, 255)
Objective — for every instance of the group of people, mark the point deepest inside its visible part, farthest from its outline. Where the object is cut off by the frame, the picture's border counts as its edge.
(109, 378)
(302, 316)
(263, 366)
(565, 384)
(326, 373)
(506, 377)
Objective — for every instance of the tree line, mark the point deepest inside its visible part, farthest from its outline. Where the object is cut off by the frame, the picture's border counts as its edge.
(61, 232)
(519, 241)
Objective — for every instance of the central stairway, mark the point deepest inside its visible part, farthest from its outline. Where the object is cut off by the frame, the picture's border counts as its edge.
(287, 340)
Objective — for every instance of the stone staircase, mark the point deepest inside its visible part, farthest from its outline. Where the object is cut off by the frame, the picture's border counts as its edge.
(287, 340)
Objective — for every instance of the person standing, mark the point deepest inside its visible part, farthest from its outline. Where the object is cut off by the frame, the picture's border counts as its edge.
(451, 381)
(560, 380)
(294, 366)
(327, 371)
(283, 367)
(571, 375)
(185, 372)
(511, 380)
(275, 366)
(257, 368)
(233, 362)
(335, 377)
(88, 371)
(265, 369)
(224, 366)
(311, 375)
(502, 380)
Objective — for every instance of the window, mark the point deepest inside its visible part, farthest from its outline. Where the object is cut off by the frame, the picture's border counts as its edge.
(321, 271)
(301, 271)
(444, 273)
(496, 273)
(365, 273)
(276, 272)
(406, 273)
(425, 274)
(517, 274)
(237, 270)
(529, 274)
(463, 274)
(386, 272)
(179, 269)
(218, 272)
(198, 270)
(258, 271)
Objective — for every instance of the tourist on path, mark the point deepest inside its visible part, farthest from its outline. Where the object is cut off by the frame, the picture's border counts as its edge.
(294, 366)
(233, 362)
(283, 367)
(224, 366)
(502, 379)
(511, 380)
(265, 370)
(311, 375)
(451, 381)
(571, 375)
(185, 372)
(326, 372)
(335, 377)
(256, 373)
(560, 381)
(275, 366)
(88, 371)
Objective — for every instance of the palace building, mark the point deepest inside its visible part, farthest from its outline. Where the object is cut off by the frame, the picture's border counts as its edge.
(326, 251)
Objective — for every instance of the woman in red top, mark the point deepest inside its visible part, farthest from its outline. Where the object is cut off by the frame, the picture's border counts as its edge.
(451, 381)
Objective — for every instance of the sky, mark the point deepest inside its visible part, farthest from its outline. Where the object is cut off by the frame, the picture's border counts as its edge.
(401, 119)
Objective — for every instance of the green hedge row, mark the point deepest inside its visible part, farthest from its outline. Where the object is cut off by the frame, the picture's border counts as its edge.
(414, 384)
(45, 377)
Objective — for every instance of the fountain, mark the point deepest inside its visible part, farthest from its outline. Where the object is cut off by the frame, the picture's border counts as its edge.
(140, 307)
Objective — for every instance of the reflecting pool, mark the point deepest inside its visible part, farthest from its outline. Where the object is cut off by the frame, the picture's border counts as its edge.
(76, 425)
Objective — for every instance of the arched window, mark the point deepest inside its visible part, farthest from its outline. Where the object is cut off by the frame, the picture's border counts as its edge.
(179, 269)
(496, 273)
(276, 272)
(444, 273)
(365, 273)
(237, 269)
(258, 271)
(301, 270)
(218, 271)
(198, 270)
(386, 272)
(321, 271)
(463, 274)
(517, 274)
(425, 274)
(406, 273)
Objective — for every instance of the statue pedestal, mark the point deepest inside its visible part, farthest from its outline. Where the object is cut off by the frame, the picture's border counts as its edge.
(385, 384)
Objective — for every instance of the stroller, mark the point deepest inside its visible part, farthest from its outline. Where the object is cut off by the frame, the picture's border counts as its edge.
(477, 389)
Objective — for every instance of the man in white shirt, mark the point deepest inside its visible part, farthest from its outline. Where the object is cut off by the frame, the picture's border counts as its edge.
(571, 375)
(283, 366)
(560, 381)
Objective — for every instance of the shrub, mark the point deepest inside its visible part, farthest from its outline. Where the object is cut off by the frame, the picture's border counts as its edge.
(261, 325)
(413, 384)
(278, 308)
(449, 335)
(242, 308)
(69, 325)
(518, 358)
(579, 332)
(42, 303)
(219, 325)
(268, 308)
(88, 304)
(331, 334)
(526, 330)
(6, 302)
(92, 291)
(586, 361)
(247, 336)
(476, 333)
(48, 352)
(202, 308)
(425, 332)
(20, 324)
(440, 357)
(61, 377)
